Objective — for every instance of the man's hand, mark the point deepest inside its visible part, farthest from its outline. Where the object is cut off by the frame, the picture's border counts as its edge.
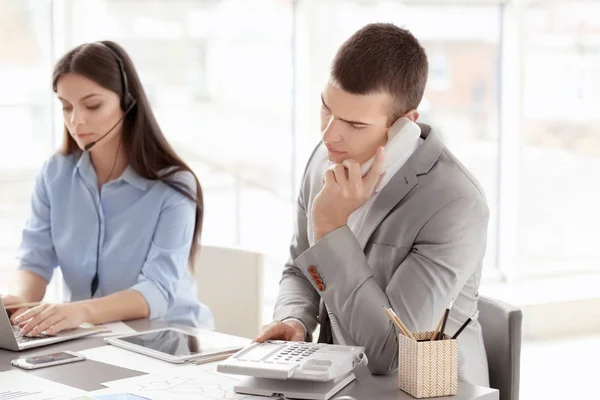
(51, 318)
(290, 331)
(10, 300)
(343, 193)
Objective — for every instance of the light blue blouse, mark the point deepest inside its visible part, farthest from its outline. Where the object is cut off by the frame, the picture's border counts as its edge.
(137, 232)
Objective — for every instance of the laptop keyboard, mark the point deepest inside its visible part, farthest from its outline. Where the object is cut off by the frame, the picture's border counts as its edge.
(26, 339)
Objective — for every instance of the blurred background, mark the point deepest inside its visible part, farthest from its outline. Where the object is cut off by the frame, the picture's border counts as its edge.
(514, 89)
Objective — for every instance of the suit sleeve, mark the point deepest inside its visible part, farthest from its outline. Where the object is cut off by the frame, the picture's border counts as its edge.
(447, 251)
(297, 299)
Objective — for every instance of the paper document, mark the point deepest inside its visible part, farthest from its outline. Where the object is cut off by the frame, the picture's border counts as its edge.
(116, 356)
(193, 382)
(19, 385)
(116, 329)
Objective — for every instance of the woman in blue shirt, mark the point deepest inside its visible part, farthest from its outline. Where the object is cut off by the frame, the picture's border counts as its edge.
(116, 209)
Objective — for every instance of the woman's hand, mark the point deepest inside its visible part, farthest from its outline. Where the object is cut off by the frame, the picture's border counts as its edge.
(10, 300)
(52, 318)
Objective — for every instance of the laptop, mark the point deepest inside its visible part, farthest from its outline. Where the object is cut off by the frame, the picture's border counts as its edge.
(11, 340)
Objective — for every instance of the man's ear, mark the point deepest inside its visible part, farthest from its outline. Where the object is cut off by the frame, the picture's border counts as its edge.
(413, 115)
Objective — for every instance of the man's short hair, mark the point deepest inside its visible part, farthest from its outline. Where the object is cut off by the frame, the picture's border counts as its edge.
(382, 57)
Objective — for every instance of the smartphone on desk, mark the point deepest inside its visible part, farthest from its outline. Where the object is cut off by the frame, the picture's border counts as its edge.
(48, 360)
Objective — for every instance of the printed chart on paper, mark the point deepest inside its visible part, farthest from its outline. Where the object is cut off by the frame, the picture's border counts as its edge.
(201, 382)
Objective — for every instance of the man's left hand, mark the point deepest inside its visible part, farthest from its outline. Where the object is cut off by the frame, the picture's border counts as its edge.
(343, 193)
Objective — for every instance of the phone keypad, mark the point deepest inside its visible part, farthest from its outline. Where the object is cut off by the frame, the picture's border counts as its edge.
(284, 353)
(295, 352)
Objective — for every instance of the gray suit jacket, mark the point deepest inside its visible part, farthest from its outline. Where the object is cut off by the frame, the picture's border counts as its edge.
(422, 244)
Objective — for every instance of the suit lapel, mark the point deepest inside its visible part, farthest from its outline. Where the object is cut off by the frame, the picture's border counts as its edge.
(402, 183)
(398, 187)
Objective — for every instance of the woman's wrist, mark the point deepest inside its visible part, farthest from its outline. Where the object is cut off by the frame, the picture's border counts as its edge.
(88, 311)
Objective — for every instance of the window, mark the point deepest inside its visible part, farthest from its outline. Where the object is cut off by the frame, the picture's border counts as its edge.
(560, 147)
(236, 85)
(25, 113)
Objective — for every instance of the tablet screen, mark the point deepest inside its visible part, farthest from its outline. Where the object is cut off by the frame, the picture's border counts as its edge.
(168, 341)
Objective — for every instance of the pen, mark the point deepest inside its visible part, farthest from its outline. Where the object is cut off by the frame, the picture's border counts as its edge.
(437, 330)
(458, 332)
(442, 324)
(445, 319)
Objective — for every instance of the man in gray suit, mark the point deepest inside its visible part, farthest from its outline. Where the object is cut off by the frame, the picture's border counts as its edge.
(411, 237)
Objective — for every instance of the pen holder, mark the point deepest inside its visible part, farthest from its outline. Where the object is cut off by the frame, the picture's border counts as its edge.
(426, 368)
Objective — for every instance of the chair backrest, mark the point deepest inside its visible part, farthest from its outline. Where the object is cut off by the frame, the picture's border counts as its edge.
(230, 283)
(501, 326)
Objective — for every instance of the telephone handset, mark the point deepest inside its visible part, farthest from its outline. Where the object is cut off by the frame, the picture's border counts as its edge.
(400, 135)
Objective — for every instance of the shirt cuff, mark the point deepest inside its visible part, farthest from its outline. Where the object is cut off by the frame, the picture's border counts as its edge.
(157, 303)
(298, 321)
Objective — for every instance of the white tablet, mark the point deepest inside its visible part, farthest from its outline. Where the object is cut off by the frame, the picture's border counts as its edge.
(177, 346)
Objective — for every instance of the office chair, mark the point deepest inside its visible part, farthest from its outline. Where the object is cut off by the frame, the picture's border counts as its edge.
(230, 283)
(501, 326)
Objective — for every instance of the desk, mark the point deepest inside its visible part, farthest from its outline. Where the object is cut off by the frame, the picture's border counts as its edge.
(88, 375)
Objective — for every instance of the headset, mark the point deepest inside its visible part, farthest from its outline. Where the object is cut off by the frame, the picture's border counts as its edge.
(127, 100)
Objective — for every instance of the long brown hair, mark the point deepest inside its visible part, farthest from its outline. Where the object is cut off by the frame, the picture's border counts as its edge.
(146, 148)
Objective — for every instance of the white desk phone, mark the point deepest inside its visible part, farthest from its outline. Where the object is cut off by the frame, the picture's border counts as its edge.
(280, 368)
(293, 360)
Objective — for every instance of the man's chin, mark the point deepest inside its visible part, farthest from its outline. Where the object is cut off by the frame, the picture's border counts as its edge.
(335, 158)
